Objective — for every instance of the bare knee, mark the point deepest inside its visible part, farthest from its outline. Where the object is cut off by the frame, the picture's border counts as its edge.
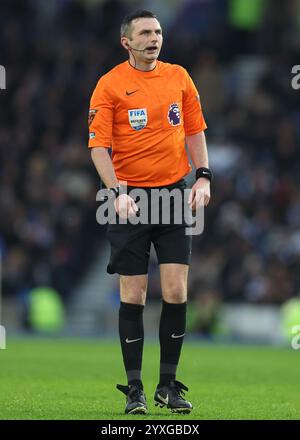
(175, 293)
(133, 288)
(174, 282)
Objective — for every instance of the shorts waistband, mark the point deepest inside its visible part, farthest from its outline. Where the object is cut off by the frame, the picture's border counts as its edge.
(177, 184)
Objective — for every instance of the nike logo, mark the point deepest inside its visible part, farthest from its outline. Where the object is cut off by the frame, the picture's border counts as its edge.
(130, 93)
(132, 340)
(163, 399)
(177, 336)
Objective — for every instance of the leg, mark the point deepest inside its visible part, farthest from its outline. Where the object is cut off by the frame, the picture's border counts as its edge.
(133, 289)
(173, 318)
(130, 250)
(171, 333)
(173, 247)
(174, 279)
(133, 296)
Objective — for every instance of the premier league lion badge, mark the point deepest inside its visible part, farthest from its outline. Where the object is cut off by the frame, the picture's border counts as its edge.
(174, 114)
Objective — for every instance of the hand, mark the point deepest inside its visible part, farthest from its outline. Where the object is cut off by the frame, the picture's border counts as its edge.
(200, 194)
(125, 206)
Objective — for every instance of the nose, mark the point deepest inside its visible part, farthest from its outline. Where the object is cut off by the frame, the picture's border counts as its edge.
(154, 37)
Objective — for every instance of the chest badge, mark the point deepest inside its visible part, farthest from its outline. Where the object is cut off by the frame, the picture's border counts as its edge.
(174, 114)
(138, 118)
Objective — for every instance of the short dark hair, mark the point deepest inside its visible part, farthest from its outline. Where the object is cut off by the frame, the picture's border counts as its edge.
(126, 23)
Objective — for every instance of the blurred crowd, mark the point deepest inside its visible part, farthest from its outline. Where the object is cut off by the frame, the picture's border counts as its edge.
(241, 61)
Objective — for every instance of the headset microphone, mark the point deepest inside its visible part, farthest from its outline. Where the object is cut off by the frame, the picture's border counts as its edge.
(132, 48)
(137, 50)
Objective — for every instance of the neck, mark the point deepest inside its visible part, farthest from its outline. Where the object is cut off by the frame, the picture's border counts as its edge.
(140, 65)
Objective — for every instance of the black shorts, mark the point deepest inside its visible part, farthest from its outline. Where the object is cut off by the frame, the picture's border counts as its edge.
(130, 244)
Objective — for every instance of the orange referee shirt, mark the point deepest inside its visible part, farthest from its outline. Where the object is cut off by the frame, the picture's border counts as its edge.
(144, 117)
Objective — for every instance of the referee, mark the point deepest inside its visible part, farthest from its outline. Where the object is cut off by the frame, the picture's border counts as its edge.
(146, 110)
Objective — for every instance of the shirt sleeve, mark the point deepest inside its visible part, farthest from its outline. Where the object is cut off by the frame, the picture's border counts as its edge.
(101, 116)
(193, 118)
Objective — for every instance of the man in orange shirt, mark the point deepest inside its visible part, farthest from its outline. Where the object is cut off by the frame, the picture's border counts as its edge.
(146, 111)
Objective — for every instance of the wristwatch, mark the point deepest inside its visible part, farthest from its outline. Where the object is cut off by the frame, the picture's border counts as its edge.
(113, 192)
(204, 172)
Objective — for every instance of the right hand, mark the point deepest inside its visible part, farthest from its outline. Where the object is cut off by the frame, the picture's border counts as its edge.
(125, 206)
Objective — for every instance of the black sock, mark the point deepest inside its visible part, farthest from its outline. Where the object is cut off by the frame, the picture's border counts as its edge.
(171, 333)
(131, 331)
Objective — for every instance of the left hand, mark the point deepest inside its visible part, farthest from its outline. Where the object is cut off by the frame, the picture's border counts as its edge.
(200, 194)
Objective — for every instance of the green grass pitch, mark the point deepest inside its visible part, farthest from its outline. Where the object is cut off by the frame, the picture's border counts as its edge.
(76, 379)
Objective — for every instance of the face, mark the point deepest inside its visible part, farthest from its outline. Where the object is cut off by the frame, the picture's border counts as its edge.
(146, 34)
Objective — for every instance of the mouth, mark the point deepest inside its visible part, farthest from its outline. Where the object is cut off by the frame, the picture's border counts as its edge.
(151, 48)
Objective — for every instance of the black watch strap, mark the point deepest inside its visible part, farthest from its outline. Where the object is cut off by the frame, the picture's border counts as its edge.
(115, 191)
(204, 172)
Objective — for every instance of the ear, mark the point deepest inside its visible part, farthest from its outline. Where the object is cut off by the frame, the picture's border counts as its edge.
(124, 43)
